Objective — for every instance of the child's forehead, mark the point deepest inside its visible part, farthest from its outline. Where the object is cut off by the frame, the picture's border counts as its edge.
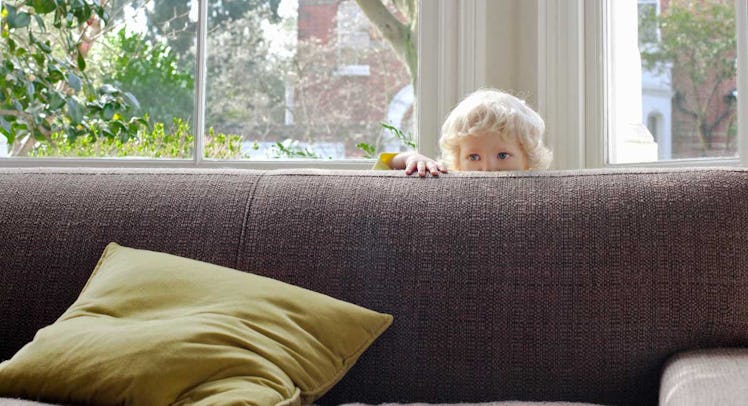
(488, 137)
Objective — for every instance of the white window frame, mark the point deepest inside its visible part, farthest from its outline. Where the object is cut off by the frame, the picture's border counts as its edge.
(451, 37)
(573, 92)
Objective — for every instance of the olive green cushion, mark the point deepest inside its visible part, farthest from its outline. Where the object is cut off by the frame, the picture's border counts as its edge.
(154, 329)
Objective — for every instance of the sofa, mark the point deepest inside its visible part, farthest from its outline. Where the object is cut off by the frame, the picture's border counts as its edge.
(609, 287)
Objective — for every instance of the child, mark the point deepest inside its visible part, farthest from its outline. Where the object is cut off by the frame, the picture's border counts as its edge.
(488, 131)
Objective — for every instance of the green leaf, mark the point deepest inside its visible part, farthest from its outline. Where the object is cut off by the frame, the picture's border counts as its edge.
(30, 90)
(12, 12)
(56, 101)
(75, 110)
(12, 45)
(81, 62)
(108, 89)
(42, 45)
(6, 131)
(131, 98)
(45, 46)
(21, 20)
(42, 6)
(74, 82)
(55, 75)
(40, 22)
(58, 18)
(368, 149)
(108, 112)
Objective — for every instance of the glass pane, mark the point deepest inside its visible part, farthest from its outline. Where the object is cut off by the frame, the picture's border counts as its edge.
(673, 88)
(111, 81)
(307, 79)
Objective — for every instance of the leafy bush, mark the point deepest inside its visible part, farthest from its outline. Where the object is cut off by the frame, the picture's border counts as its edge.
(156, 142)
(44, 89)
(150, 71)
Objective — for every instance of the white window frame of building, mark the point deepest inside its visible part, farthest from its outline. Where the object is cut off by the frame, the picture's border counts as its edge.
(574, 85)
(656, 4)
(351, 35)
(450, 35)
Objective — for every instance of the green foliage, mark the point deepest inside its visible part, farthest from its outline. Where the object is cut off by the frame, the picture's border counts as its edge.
(156, 142)
(369, 150)
(245, 83)
(149, 71)
(44, 88)
(291, 149)
(698, 38)
(170, 20)
(699, 44)
(407, 140)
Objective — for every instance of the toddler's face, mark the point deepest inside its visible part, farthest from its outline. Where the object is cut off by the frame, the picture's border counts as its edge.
(489, 152)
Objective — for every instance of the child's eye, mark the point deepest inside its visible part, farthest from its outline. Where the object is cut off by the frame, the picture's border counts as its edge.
(474, 157)
(503, 155)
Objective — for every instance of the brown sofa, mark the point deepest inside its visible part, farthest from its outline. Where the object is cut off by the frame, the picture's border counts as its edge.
(616, 286)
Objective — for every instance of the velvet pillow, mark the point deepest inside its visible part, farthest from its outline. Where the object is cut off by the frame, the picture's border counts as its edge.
(155, 329)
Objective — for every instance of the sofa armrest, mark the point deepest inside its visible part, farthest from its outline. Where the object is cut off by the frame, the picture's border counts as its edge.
(706, 377)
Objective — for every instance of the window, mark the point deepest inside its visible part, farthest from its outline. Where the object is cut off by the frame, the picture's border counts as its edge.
(220, 81)
(687, 72)
(649, 32)
(354, 34)
(653, 124)
(616, 82)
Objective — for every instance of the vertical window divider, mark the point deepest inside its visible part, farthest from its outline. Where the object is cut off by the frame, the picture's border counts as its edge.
(596, 48)
(200, 76)
(561, 80)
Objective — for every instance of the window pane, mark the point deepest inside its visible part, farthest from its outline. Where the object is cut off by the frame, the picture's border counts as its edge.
(309, 79)
(125, 88)
(673, 89)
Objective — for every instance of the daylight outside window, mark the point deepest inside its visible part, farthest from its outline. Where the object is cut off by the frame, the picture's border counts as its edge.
(284, 79)
(673, 88)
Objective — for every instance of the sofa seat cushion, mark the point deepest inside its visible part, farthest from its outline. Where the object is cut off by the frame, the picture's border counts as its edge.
(706, 377)
(154, 329)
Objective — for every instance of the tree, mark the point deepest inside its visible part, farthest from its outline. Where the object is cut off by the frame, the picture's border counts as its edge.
(245, 80)
(148, 70)
(170, 20)
(398, 25)
(698, 42)
(44, 85)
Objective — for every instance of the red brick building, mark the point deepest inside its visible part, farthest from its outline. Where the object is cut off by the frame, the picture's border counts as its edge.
(349, 79)
(716, 137)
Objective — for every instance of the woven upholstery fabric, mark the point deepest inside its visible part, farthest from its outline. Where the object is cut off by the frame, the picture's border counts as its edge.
(572, 286)
(706, 377)
(568, 286)
(55, 223)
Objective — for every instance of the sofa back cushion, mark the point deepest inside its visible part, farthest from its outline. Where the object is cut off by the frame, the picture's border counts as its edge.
(569, 286)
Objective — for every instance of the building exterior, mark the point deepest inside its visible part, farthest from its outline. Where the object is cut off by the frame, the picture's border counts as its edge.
(368, 81)
(672, 126)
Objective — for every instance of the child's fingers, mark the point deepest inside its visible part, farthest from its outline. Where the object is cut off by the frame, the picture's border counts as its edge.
(433, 167)
(421, 168)
(410, 167)
(441, 167)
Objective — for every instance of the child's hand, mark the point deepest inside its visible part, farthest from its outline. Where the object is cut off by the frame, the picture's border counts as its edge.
(414, 162)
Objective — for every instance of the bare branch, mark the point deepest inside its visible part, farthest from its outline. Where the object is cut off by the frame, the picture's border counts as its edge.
(400, 36)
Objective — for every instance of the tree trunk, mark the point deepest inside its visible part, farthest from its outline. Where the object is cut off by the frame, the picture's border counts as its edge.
(401, 36)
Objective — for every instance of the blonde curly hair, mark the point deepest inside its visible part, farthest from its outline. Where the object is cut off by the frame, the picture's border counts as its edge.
(500, 113)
